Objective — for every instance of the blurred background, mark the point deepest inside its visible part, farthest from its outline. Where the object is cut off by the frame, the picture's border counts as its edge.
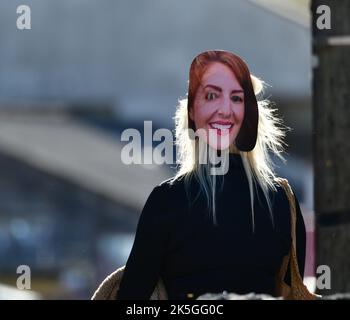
(87, 70)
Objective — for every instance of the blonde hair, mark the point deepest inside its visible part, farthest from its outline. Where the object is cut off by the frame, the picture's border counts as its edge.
(257, 163)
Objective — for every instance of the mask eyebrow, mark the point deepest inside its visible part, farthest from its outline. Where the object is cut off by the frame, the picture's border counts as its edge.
(237, 91)
(213, 87)
(220, 90)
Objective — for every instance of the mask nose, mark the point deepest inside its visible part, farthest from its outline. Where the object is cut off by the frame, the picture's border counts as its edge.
(225, 108)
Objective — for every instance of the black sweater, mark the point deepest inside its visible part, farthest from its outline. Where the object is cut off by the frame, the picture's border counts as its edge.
(180, 243)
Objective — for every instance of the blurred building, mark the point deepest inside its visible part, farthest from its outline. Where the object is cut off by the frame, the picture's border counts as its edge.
(135, 55)
(68, 204)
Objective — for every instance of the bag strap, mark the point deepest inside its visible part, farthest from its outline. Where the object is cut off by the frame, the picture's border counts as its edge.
(292, 257)
(297, 289)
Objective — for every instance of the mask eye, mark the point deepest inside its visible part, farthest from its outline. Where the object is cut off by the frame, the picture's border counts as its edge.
(236, 99)
(211, 96)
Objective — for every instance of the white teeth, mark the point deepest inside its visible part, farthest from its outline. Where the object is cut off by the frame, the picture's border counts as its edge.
(221, 126)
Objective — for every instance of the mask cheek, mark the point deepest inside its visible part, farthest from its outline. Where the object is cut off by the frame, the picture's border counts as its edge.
(191, 115)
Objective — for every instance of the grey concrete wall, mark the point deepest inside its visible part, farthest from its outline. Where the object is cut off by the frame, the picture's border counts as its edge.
(135, 54)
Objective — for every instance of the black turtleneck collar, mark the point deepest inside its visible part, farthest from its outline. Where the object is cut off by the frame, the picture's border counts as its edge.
(235, 163)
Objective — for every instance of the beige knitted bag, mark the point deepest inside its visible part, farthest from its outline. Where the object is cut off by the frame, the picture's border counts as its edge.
(110, 285)
(107, 290)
